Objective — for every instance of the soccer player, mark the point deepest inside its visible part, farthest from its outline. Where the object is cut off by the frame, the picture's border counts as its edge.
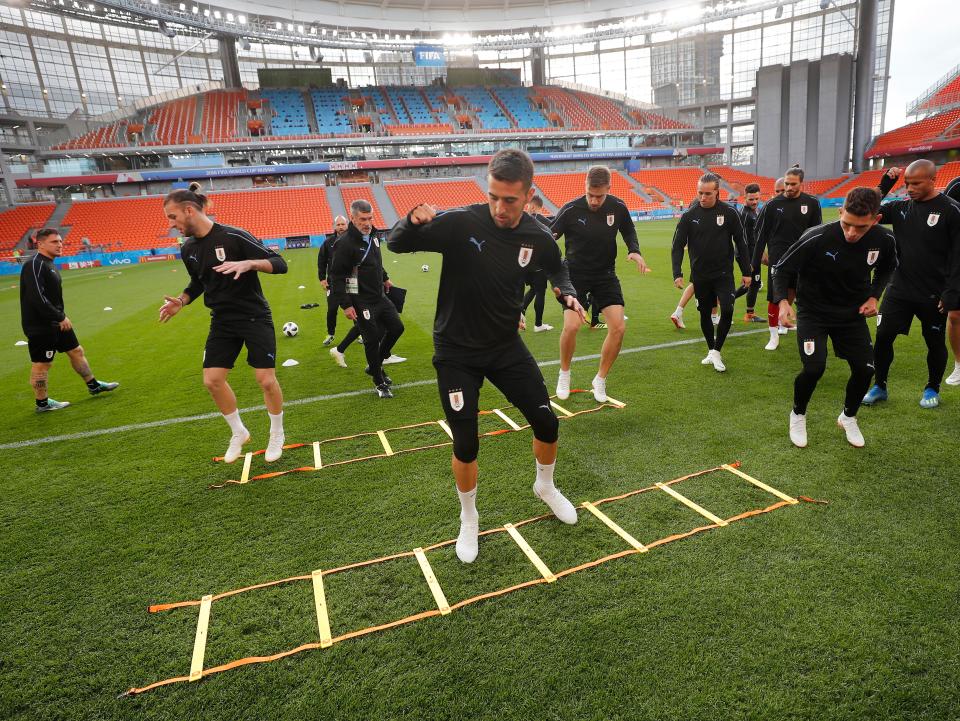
(778, 187)
(748, 216)
(830, 269)
(323, 266)
(487, 251)
(712, 232)
(926, 284)
(590, 225)
(48, 329)
(953, 318)
(223, 263)
(358, 281)
(537, 279)
(780, 224)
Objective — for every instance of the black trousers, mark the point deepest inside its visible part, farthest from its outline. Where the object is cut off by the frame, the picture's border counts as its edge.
(380, 325)
(537, 293)
(332, 310)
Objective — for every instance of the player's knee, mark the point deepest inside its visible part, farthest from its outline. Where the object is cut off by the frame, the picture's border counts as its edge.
(76, 352)
(266, 380)
(861, 370)
(546, 427)
(214, 383)
(466, 443)
(953, 317)
(814, 370)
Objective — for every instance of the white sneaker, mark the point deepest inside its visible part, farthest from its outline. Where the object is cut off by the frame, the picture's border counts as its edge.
(274, 447)
(782, 330)
(558, 503)
(338, 358)
(954, 378)
(468, 540)
(850, 427)
(774, 340)
(328, 340)
(599, 389)
(563, 385)
(393, 359)
(717, 361)
(235, 449)
(677, 319)
(542, 328)
(707, 359)
(798, 430)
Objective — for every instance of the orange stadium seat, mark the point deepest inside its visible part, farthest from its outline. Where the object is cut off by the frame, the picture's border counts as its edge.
(822, 187)
(174, 121)
(947, 95)
(561, 188)
(121, 224)
(419, 129)
(362, 192)
(678, 184)
(441, 195)
(739, 179)
(946, 173)
(610, 116)
(922, 131)
(15, 222)
(575, 116)
(220, 108)
(275, 212)
(868, 178)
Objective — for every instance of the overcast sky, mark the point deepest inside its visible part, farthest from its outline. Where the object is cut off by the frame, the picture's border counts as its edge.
(925, 46)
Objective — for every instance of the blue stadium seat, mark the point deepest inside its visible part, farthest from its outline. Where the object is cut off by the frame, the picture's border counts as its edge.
(290, 112)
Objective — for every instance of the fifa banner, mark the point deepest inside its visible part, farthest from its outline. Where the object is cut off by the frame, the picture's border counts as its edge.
(430, 56)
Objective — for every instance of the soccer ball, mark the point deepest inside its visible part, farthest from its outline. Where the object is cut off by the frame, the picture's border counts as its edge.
(424, 267)
(290, 329)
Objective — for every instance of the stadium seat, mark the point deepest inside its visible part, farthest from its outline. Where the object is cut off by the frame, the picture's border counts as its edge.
(738, 179)
(518, 108)
(16, 221)
(868, 178)
(921, 132)
(677, 184)
(946, 173)
(117, 224)
(575, 116)
(275, 212)
(561, 188)
(219, 120)
(441, 195)
(289, 112)
(352, 192)
(173, 121)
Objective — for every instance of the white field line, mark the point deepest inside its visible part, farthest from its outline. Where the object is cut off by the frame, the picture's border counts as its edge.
(327, 397)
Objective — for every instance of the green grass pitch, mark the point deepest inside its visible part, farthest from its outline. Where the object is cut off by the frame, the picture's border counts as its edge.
(843, 611)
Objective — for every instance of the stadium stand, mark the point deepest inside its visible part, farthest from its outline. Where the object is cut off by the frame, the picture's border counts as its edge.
(485, 108)
(608, 114)
(519, 109)
(572, 112)
(946, 93)
(331, 113)
(289, 112)
(677, 184)
(116, 224)
(362, 192)
(561, 188)
(656, 121)
(275, 212)
(738, 179)
(220, 110)
(16, 222)
(173, 122)
(420, 129)
(928, 130)
(946, 173)
(822, 187)
(441, 195)
(868, 178)
(108, 136)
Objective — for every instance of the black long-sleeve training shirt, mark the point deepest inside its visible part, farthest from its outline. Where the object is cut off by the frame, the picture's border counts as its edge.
(748, 216)
(325, 255)
(481, 282)
(41, 295)
(228, 299)
(836, 277)
(713, 236)
(591, 236)
(353, 254)
(928, 245)
(781, 223)
(953, 189)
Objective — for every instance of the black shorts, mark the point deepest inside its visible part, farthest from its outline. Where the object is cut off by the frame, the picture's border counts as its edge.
(851, 339)
(603, 288)
(709, 290)
(227, 337)
(44, 345)
(951, 300)
(510, 368)
(896, 316)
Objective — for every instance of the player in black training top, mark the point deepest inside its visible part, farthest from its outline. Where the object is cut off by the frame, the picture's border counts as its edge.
(223, 263)
(926, 283)
(537, 279)
(780, 224)
(748, 216)
(45, 324)
(953, 319)
(324, 256)
(839, 271)
(590, 225)
(712, 232)
(358, 282)
(487, 252)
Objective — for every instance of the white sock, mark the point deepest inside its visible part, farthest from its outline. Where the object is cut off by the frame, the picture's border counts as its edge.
(565, 374)
(774, 330)
(545, 475)
(679, 310)
(276, 422)
(956, 365)
(598, 379)
(236, 425)
(468, 505)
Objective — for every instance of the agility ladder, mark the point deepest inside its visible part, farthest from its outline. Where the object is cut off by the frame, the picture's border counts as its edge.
(389, 450)
(197, 671)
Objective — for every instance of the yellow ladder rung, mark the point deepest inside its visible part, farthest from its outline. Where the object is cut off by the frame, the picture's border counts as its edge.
(320, 601)
(245, 474)
(317, 461)
(690, 504)
(506, 419)
(563, 410)
(760, 484)
(446, 428)
(432, 581)
(200, 642)
(531, 554)
(386, 444)
(614, 527)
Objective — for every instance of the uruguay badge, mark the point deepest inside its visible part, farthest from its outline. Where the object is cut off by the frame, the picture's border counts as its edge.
(456, 399)
(933, 219)
(526, 253)
(720, 220)
(366, 314)
(872, 256)
(809, 346)
(611, 219)
(221, 253)
(803, 209)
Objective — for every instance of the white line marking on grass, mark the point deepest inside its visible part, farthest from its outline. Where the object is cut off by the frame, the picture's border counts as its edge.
(327, 397)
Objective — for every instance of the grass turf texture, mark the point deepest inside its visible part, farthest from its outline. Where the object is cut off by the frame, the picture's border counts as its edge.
(846, 611)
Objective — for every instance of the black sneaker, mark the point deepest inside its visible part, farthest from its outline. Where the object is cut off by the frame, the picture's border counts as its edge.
(386, 379)
(102, 387)
(383, 390)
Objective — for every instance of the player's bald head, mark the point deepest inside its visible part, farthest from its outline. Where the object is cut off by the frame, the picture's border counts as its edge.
(923, 168)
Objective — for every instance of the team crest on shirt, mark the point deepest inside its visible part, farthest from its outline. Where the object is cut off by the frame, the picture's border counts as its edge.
(221, 253)
(804, 209)
(933, 219)
(526, 253)
(366, 314)
(456, 399)
(49, 354)
(809, 346)
(611, 219)
(720, 220)
(872, 256)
